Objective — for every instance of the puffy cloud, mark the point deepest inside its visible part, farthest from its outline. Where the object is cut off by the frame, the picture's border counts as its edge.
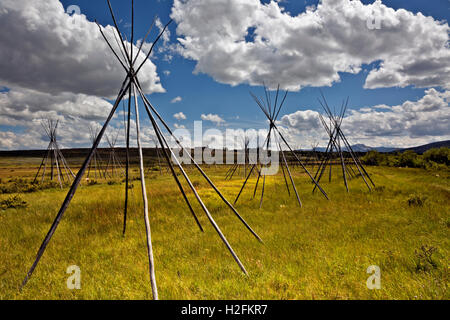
(57, 66)
(179, 126)
(45, 49)
(246, 41)
(213, 118)
(302, 120)
(20, 106)
(411, 123)
(24, 109)
(180, 116)
(176, 100)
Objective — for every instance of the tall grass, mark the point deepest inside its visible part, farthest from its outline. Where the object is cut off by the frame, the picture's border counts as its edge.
(320, 251)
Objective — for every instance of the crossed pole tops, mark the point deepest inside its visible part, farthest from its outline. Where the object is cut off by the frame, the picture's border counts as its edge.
(50, 127)
(127, 55)
(271, 112)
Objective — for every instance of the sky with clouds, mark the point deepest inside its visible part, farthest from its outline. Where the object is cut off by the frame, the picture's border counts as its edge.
(391, 58)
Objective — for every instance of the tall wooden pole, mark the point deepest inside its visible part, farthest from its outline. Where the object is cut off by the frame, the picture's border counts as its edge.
(151, 261)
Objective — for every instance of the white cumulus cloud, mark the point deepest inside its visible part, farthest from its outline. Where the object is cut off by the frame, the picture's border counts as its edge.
(247, 41)
(180, 116)
(213, 118)
(176, 100)
(409, 124)
(57, 66)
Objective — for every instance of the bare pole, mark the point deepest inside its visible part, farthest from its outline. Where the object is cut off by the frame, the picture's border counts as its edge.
(143, 41)
(51, 157)
(151, 49)
(285, 180)
(55, 150)
(57, 168)
(157, 154)
(268, 142)
(324, 160)
(290, 176)
(106, 39)
(63, 162)
(42, 163)
(262, 192)
(257, 182)
(245, 182)
(74, 187)
(151, 261)
(120, 34)
(45, 166)
(289, 172)
(344, 174)
(355, 158)
(127, 164)
(109, 157)
(327, 159)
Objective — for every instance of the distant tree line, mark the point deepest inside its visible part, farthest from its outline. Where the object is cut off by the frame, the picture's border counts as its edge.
(436, 158)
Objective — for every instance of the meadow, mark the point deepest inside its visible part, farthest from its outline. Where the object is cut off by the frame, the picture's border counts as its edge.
(319, 251)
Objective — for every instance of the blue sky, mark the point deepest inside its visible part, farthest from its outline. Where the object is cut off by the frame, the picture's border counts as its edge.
(202, 94)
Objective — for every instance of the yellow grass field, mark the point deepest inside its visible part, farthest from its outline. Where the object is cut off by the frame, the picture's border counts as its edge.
(320, 251)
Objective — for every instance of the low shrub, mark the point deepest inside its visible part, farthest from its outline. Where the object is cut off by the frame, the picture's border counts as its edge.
(433, 159)
(424, 258)
(92, 182)
(416, 200)
(13, 202)
(24, 186)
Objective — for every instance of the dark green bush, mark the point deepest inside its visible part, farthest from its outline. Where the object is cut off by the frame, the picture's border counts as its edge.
(441, 155)
(433, 159)
(408, 159)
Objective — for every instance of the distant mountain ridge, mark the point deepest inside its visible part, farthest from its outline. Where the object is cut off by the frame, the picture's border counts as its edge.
(425, 147)
(82, 152)
(419, 149)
